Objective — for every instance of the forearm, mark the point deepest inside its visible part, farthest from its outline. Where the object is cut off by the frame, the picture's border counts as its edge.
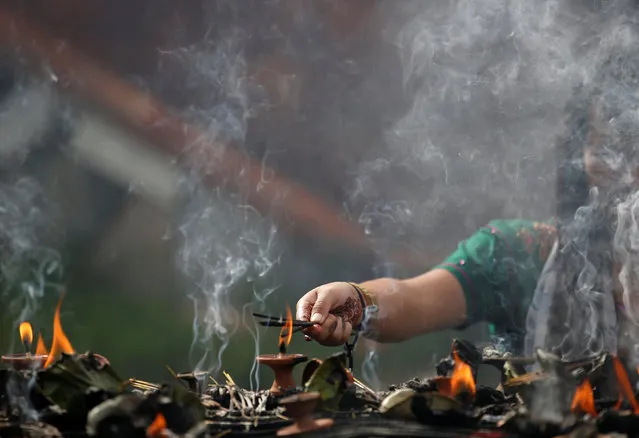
(407, 308)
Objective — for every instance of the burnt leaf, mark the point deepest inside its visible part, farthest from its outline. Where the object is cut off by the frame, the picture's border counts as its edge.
(181, 407)
(193, 380)
(486, 396)
(467, 352)
(69, 379)
(118, 416)
(613, 421)
(426, 407)
(330, 379)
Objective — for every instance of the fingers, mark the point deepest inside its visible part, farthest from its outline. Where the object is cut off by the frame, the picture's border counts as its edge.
(305, 305)
(317, 305)
(334, 331)
(323, 304)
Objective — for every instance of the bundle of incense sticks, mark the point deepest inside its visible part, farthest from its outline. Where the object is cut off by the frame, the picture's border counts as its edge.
(273, 321)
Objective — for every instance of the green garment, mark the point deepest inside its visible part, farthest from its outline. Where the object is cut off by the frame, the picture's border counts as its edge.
(498, 268)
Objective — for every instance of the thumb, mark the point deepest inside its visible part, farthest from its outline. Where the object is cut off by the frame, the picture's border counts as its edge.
(323, 305)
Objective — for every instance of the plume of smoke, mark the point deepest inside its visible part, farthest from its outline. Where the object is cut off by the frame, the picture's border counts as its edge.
(626, 247)
(578, 281)
(488, 82)
(626, 243)
(485, 83)
(27, 264)
(226, 244)
(589, 324)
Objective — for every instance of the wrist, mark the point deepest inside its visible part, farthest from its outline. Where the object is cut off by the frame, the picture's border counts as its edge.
(367, 302)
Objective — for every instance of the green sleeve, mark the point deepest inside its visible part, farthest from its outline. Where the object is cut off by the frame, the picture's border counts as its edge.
(498, 268)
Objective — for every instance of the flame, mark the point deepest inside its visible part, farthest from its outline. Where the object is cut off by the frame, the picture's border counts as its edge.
(41, 349)
(157, 428)
(443, 385)
(60, 343)
(286, 334)
(462, 378)
(624, 384)
(26, 334)
(584, 400)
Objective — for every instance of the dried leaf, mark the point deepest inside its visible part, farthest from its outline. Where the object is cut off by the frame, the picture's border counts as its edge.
(426, 407)
(330, 379)
(187, 401)
(69, 379)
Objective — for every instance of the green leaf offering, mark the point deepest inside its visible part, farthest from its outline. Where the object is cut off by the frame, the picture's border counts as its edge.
(331, 379)
(68, 380)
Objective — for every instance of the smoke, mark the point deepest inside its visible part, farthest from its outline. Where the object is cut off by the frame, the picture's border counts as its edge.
(626, 241)
(486, 85)
(226, 244)
(626, 245)
(447, 120)
(28, 266)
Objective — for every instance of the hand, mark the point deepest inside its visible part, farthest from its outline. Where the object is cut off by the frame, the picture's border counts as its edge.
(336, 307)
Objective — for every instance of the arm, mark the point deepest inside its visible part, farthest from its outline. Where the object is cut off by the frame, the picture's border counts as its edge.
(489, 277)
(426, 303)
(407, 308)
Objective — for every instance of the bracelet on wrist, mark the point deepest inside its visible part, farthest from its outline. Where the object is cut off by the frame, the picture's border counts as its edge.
(366, 300)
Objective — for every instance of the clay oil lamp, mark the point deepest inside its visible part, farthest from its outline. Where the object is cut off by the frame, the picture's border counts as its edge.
(41, 358)
(27, 360)
(299, 408)
(283, 363)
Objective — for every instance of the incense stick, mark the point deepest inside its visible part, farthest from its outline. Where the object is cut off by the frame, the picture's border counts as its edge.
(363, 387)
(229, 379)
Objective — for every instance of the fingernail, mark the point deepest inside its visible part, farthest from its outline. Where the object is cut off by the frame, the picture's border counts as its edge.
(317, 317)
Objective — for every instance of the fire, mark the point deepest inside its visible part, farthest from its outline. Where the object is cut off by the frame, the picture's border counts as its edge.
(443, 385)
(462, 378)
(60, 343)
(624, 384)
(157, 428)
(584, 399)
(286, 334)
(41, 349)
(26, 334)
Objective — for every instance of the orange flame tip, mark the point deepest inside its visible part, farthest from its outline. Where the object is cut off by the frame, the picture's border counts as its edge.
(157, 429)
(286, 333)
(584, 399)
(26, 334)
(60, 343)
(624, 384)
(462, 379)
(41, 349)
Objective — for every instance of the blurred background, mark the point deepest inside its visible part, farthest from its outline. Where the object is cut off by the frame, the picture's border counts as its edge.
(174, 165)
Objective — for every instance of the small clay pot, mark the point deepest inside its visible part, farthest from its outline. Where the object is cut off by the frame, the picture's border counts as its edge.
(282, 365)
(300, 408)
(25, 361)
